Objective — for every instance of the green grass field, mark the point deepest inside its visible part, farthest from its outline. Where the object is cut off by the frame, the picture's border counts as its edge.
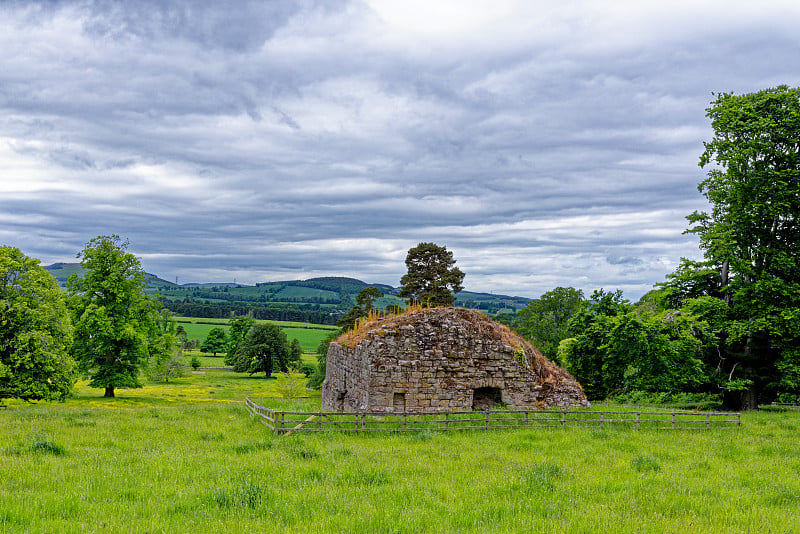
(309, 335)
(187, 457)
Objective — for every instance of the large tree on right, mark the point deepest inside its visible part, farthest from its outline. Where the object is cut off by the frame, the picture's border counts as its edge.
(751, 241)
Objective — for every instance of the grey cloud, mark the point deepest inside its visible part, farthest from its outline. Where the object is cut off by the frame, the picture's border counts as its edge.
(267, 139)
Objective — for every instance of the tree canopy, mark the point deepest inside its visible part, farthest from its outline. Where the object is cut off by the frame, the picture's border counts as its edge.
(216, 341)
(35, 331)
(617, 348)
(264, 349)
(545, 321)
(115, 321)
(751, 242)
(240, 325)
(432, 278)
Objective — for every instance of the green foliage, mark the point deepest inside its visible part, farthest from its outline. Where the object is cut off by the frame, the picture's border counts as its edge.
(366, 296)
(616, 350)
(166, 324)
(751, 241)
(264, 348)
(348, 321)
(432, 277)
(295, 355)
(115, 321)
(308, 369)
(318, 377)
(216, 341)
(290, 384)
(165, 360)
(545, 321)
(35, 331)
(39, 443)
(678, 401)
(194, 362)
(362, 308)
(237, 333)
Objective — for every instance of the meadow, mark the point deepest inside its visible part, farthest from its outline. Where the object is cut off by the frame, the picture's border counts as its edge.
(309, 335)
(187, 457)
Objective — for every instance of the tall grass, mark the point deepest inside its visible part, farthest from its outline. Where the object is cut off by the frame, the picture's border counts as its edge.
(203, 464)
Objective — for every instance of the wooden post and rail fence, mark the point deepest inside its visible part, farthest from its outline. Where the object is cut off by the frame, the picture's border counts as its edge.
(287, 422)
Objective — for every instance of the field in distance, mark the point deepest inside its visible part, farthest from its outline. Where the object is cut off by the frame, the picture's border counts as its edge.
(187, 457)
(309, 335)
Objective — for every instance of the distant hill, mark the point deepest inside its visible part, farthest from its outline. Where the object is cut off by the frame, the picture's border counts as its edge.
(62, 272)
(317, 300)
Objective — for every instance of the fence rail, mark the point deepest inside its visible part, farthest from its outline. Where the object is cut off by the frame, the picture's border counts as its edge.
(289, 422)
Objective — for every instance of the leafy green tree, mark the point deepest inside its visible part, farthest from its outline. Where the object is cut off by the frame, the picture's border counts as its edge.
(165, 360)
(295, 357)
(545, 321)
(115, 321)
(617, 350)
(264, 348)
(35, 331)
(182, 336)
(751, 240)
(216, 341)
(240, 325)
(166, 324)
(432, 278)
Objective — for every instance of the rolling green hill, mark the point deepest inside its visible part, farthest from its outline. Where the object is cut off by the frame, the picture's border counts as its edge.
(316, 300)
(62, 272)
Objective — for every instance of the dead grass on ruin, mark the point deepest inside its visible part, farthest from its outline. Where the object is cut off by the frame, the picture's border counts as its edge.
(376, 318)
(483, 324)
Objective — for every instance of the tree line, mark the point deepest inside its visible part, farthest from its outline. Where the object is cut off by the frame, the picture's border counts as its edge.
(267, 312)
(728, 324)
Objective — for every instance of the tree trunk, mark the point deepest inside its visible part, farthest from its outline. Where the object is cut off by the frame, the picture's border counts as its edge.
(109, 391)
(749, 399)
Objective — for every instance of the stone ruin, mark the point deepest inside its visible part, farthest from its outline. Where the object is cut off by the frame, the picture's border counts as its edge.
(441, 360)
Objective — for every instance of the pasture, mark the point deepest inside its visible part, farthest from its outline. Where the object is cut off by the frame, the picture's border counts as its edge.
(309, 335)
(187, 457)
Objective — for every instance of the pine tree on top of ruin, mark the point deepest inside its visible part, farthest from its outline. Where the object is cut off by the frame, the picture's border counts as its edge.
(432, 279)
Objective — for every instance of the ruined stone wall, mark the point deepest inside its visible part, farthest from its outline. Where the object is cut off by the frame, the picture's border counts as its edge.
(435, 360)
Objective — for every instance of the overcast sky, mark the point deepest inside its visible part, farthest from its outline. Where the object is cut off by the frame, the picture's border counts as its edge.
(544, 143)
